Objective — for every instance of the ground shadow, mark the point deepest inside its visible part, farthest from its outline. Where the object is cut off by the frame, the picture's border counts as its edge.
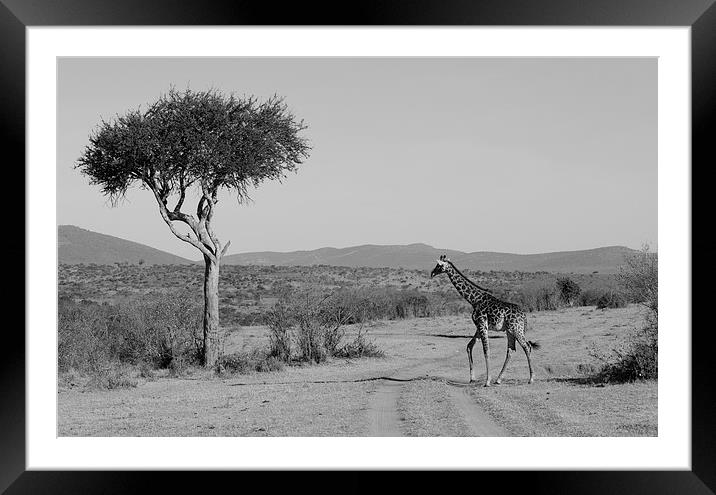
(446, 336)
(475, 384)
(577, 380)
(357, 380)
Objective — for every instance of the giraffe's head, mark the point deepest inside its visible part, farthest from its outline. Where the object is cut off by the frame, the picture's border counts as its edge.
(440, 267)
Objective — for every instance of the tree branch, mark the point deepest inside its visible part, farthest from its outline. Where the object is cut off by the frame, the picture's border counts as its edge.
(223, 251)
(182, 195)
(200, 208)
(205, 209)
(170, 216)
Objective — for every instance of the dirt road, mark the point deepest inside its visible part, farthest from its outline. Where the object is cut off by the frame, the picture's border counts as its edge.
(384, 419)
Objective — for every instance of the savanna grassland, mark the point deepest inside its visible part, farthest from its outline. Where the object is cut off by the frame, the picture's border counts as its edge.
(330, 399)
(400, 369)
(247, 291)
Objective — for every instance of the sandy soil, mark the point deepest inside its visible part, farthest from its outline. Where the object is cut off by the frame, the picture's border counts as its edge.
(418, 389)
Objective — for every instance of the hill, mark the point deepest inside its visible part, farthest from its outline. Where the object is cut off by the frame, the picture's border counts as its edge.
(420, 256)
(79, 246)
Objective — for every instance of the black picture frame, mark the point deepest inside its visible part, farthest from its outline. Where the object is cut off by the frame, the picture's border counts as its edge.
(700, 15)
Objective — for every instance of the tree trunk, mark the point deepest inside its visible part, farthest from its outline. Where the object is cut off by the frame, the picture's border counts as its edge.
(211, 313)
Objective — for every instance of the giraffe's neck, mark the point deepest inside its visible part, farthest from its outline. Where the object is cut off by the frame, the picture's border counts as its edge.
(472, 294)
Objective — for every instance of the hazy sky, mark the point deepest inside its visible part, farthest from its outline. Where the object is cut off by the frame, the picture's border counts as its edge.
(476, 154)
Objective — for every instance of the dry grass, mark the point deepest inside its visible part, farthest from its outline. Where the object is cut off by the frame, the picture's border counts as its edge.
(294, 402)
(563, 408)
(427, 411)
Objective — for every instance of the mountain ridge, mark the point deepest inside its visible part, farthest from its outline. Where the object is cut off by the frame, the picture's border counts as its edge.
(602, 259)
(77, 246)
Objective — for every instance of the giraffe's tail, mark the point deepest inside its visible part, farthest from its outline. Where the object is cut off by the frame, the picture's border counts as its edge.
(532, 344)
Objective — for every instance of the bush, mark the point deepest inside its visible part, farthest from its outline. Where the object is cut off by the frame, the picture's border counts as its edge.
(568, 290)
(539, 298)
(590, 297)
(269, 364)
(639, 276)
(162, 331)
(307, 325)
(611, 299)
(637, 360)
(112, 376)
(360, 347)
(146, 371)
(332, 336)
(361, 305)
(84, 340)
(309, 342)
(243, 363)
(278, 321)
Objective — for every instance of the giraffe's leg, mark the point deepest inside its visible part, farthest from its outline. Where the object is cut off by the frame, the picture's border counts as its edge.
(510, 348)
(528, 350)
(469, 356)
(486, 350)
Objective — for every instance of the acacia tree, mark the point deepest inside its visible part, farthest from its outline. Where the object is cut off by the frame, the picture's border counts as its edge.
(196, 141)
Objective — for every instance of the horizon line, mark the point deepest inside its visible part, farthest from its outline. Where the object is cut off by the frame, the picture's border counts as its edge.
(365, 245)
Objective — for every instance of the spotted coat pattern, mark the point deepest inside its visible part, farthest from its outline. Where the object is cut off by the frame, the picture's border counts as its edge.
(491, 313)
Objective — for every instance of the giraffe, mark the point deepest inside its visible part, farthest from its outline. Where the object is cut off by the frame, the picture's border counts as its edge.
(489, 312)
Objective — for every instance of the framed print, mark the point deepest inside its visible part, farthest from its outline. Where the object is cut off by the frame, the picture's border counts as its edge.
(440, 223)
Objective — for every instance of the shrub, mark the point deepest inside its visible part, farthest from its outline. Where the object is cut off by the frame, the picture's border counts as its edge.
(247, 362)
(308, 325)
(111, 376)
(639, 276)
(360, 347)
(237, 362)
(361, 305)
(278, 321)
(309, 343)
(639, 357)
(636, 360)
(539, 298)
(84, 340)
(146, 371)
(162, 331)
(310, 329)
(568, 290)
(269, 364)
(316, 319)
(69, 379)
(590, 297)
(611, 299)
(332, 336)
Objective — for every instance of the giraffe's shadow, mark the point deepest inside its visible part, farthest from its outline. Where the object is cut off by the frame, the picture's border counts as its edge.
(448, 336)
(456, 383)
(480, 382)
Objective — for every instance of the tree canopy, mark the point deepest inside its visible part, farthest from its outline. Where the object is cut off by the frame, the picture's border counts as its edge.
(195, 139)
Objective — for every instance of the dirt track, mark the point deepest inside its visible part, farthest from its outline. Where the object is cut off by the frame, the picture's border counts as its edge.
(384, 419)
